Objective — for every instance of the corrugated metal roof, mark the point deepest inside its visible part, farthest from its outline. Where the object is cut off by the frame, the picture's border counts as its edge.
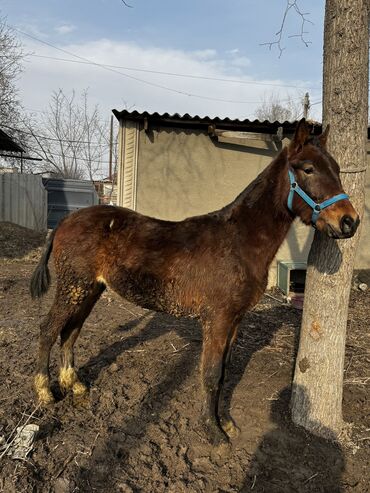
(8, 144)
(200, 122)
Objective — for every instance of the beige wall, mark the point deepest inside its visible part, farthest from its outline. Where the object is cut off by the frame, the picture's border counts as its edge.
(181, 173)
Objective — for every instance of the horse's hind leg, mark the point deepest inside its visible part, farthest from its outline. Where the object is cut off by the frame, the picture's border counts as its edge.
(68, 379)
(50, 328)
(69, 310)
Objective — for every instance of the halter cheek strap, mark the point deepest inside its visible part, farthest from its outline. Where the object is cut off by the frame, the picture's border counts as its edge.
(316, 208)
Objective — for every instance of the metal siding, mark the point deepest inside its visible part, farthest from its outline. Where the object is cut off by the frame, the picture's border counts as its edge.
(23, 200)
(66, 196)
(127, 171)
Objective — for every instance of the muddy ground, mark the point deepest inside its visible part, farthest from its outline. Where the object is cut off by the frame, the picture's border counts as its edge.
(140, 430)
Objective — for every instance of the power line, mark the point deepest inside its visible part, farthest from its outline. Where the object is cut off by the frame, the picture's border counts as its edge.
(95, 144)
(172, 74)
(153, 84)
(55, 154)
(34, 110)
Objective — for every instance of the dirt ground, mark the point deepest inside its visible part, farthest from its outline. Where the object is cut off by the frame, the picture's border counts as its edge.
(140, 431)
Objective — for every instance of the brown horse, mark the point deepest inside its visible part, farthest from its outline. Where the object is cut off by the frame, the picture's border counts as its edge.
(213, 267)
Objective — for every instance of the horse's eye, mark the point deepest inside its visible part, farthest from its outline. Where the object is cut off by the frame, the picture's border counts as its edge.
(308, 171)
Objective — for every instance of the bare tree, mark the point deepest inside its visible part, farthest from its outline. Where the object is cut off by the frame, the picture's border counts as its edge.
(70, 137)
(274, 109)
(96, 138)
(11, 55)
(318, 380)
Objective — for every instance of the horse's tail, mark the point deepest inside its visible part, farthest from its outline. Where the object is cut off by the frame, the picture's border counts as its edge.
(40, 280)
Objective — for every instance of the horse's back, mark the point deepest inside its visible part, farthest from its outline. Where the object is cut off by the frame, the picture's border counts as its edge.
(89, 227)
(97, 240)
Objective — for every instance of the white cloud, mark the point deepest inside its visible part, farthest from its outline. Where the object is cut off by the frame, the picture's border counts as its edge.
(113, 90)
(235, 51)
(205, 54)
(32, 28)
(240, 61)
(65, 29)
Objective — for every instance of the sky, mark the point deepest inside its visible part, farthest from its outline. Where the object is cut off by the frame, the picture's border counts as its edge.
(190, 43)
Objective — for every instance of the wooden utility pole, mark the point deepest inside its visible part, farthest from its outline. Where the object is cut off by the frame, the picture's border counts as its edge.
(318, 380)
(306, 105)
(111, 149)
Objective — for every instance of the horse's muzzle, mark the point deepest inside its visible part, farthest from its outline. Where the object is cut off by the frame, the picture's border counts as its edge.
(348, 227)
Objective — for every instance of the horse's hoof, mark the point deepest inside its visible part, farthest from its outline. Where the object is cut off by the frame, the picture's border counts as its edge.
(45, 398)
(81, 395)
(79, 389)
(219, 440)
(44, 395)
(223, 449)
(67, 379)
(81, 400)
(230, 428)
(215, 434)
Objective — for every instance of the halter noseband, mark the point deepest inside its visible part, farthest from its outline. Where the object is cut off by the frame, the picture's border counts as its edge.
(316, 208)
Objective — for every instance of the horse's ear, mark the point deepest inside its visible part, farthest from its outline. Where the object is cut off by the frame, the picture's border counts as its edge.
(324, 136)
(301, 134)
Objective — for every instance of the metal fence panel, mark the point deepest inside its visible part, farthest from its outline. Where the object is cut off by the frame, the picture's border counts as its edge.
(23, 200)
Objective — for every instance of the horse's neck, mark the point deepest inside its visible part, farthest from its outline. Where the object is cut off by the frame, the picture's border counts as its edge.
(260, 211)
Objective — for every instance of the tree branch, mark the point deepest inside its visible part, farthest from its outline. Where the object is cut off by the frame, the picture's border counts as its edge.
(291, 4)
(126, 4)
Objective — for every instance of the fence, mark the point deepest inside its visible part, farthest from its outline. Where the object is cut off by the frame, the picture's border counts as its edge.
(23, 200)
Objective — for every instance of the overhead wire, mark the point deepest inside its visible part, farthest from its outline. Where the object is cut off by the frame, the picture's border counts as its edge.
(56, 154)
(113, 68)
(71, 141)
(53, 153)
(175, 74)
(153, 84)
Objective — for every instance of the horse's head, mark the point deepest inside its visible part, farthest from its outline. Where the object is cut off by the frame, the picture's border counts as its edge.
(315, 172)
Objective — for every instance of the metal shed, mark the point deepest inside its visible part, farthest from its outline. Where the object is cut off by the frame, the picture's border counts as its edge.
(66, 196)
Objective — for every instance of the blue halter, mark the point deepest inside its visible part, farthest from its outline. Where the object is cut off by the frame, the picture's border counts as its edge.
(316, 208)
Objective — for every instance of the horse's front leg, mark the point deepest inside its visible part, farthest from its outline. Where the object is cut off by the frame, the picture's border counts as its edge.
(217, 338)
(226, 421)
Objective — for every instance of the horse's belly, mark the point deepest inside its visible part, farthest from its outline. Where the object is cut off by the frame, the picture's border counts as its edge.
(145, 290)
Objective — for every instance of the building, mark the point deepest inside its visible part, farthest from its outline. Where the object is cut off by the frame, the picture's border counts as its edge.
(22, 196)
(173, 166)
(107, 189)
(8, 149)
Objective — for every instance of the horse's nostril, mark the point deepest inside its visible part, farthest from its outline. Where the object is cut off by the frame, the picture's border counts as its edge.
(347, 224)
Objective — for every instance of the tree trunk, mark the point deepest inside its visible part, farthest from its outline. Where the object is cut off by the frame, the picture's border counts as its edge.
(318, 380)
